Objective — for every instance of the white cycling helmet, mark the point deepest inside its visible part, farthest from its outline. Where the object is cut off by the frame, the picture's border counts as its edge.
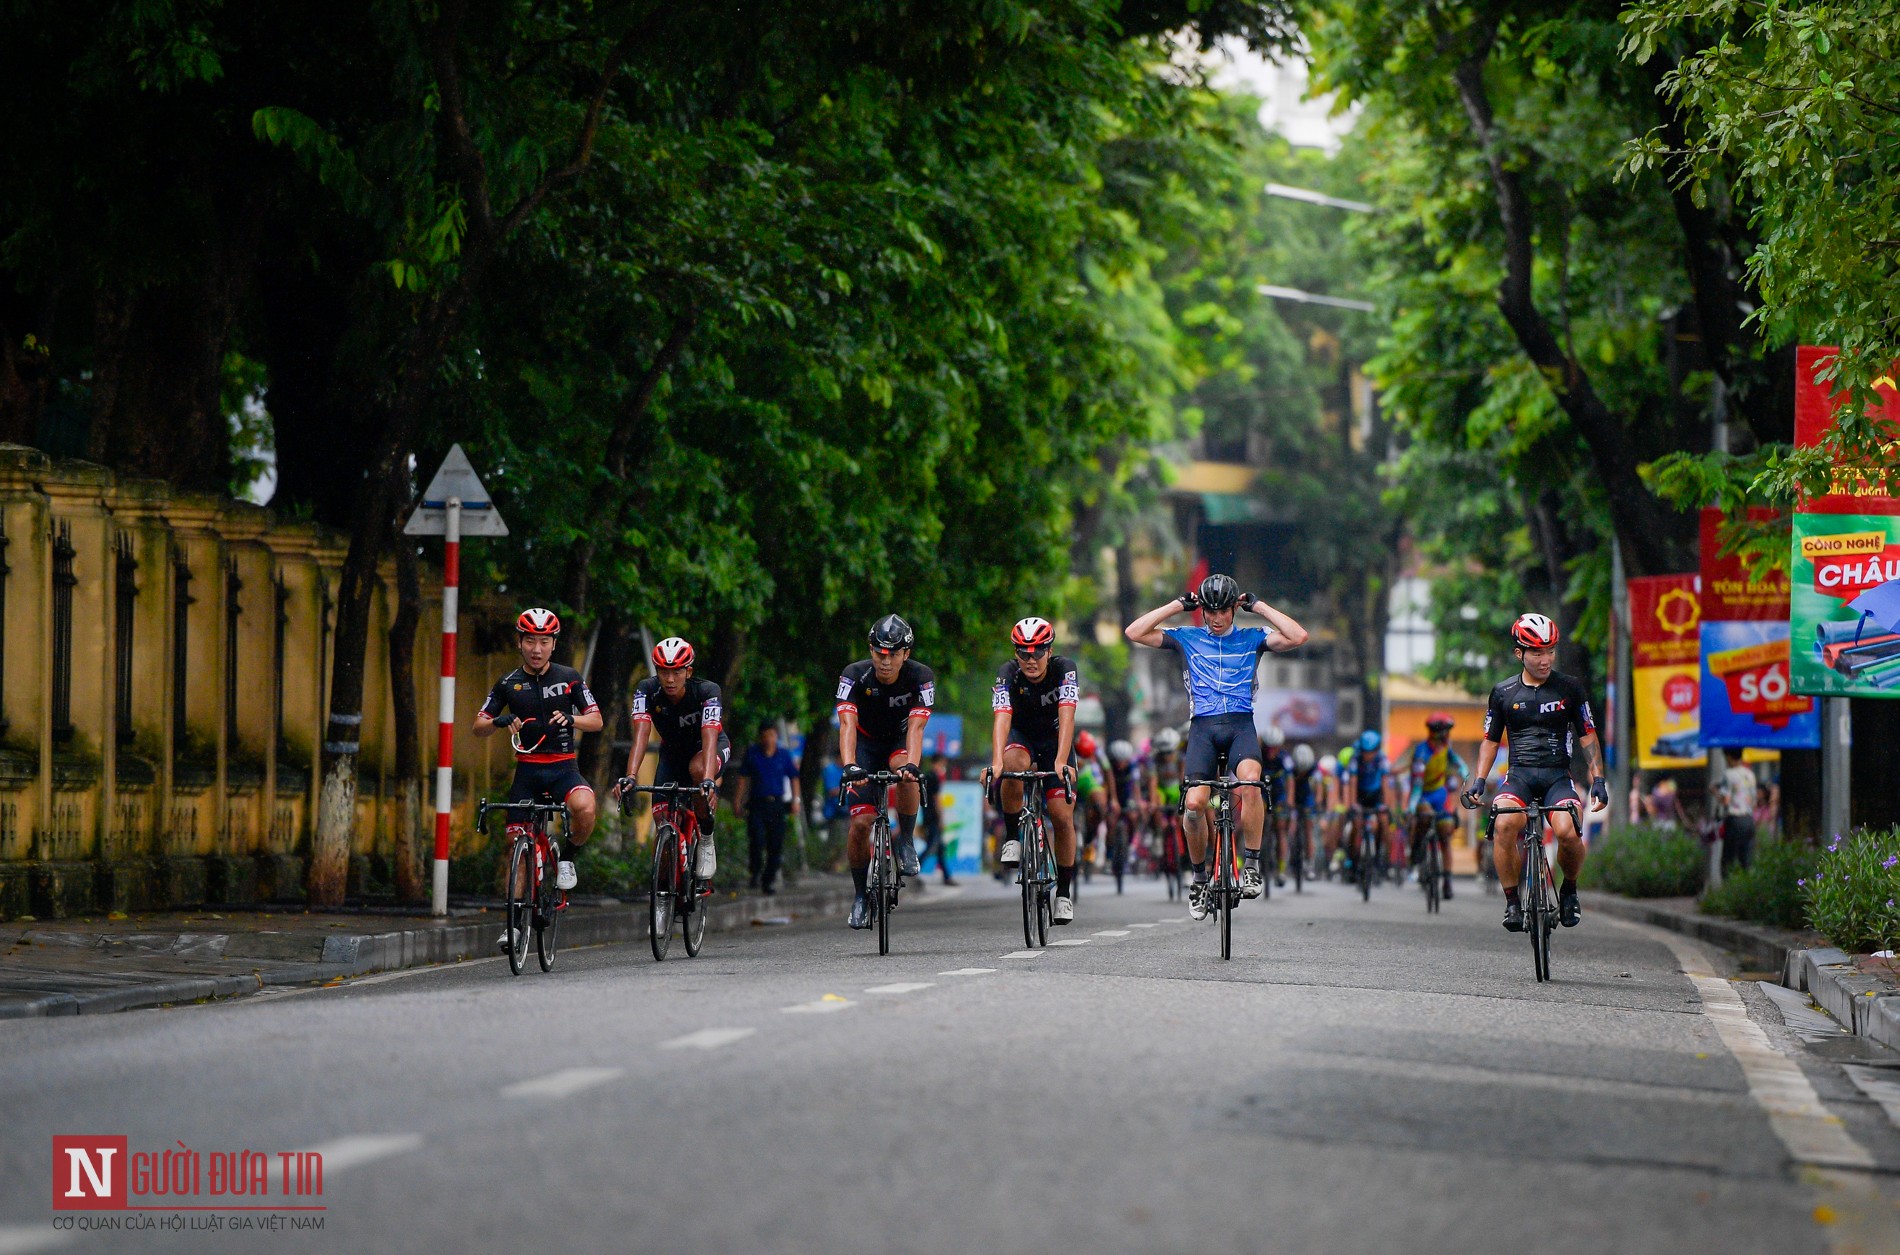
(1121, 752)
(1328, 765)
(1167, 741)
(1275, 736)
(1303, 757)
(672, 654)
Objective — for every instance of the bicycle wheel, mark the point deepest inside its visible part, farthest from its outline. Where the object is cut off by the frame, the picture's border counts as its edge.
(1367, 862)
(520, 904)
(1549, 915)
(663, 895)
(548, 924)
(692, 908)
(1429, 869)
(1530, 894)
(883, 875)
(1118, 859)
(1026, 872)
(1296, 858)
(1226, 893)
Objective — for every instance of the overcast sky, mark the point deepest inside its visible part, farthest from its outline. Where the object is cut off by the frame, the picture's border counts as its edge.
(1282, 89)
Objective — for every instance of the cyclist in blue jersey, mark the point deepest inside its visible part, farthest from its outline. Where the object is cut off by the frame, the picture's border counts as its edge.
(1372, 791)
(1219, 660)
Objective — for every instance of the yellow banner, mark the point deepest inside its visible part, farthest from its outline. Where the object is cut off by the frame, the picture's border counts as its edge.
(1668, 709)
(1843, 545)
(1748, 658)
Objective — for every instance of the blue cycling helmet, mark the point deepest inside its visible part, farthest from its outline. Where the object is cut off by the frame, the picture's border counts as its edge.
(1368, 741)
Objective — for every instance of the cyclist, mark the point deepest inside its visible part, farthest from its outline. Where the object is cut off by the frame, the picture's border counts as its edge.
(1333, 799)
(1371, 791)
(546, 704)
(1219, 663)
(1164, 796)
(884, 702)
(1547, 717)
(1436, 773)
(1303, 812)
(1032, 728)
(1128, 796)
(1279, 771)
(693, 742)
(1092, 796)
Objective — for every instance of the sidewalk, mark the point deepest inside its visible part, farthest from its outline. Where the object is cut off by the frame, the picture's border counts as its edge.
(75, 967)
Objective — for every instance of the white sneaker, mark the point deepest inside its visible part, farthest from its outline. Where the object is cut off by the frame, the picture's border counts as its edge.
(708, 864)
(501, 942)
(1064, 912)
(565, 878)
(1197, 899)
(1251, 885)
(1011, 853)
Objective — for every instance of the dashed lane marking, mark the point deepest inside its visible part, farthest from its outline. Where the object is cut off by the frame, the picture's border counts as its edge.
(1024, 954)
(1144, 925)
(828, 1003)
(941, 894)
(1112, 932)
(900, 987)
(708, 1039)
(353, 1152)
(1078, 941)
(968, 971)
(563, 1083)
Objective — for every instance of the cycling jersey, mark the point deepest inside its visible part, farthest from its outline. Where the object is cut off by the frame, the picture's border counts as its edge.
(1432, 768)
(1035, 706)
(1544, 720)
(1127, 779)
(884, 710)
(531, 698)
(1167, 778)
(1306, 788)
(1219, 670)
(678, 722)
(1369, 770)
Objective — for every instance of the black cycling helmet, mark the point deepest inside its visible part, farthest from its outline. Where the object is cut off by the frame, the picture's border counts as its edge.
(891, 632)
(1219, 592)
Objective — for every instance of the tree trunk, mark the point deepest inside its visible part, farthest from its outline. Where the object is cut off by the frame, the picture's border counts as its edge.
(410, 886)
(1652, 537)
(608, 677)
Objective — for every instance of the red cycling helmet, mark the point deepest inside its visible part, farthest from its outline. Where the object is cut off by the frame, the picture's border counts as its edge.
(1085, 744)
(1033, 633)
(1533, 631)
(538, 622)
(1439, 719)
(672, 653)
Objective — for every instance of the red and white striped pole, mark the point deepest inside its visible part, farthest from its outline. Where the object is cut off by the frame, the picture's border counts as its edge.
(445, 704)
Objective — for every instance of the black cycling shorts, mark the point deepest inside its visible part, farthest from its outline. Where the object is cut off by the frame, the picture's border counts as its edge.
(861, 798)
(1540, 786)
(678, 769)
(545, 782)
(1042, 754)
(1219, 742)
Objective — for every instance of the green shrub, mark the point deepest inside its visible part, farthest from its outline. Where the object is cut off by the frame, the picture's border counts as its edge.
(1645, 862)
(1851, 895)
(1770, 890)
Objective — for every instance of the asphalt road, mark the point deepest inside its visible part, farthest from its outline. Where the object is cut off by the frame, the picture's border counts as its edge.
(1358, 1078)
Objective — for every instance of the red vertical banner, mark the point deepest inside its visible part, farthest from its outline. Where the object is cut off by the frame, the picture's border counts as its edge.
(1666, 680)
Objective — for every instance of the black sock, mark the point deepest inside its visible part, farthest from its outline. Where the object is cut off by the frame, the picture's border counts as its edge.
(1510, 896)
(860, 876)
(1200, 872)
(1065, 877)
(1250, 856)
(906, 825)
(1012, 821)
(1568, 890)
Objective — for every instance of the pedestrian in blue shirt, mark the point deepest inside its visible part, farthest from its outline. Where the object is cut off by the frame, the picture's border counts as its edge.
(768, 786)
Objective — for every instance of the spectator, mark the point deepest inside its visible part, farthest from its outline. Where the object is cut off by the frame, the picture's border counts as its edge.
(1739, 789)
(933, 817)
(1665, 806)
(768, 782)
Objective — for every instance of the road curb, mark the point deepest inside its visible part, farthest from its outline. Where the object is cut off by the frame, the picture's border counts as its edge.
(1761, 949)
(361, 953)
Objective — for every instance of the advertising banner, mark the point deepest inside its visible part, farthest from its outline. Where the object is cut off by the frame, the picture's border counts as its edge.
(1844, 615)
(1748, 699)
(1303, 714)
(962, 804)
(1666, 679)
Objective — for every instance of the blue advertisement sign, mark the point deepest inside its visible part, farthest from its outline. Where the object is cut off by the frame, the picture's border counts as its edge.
(1748, 701)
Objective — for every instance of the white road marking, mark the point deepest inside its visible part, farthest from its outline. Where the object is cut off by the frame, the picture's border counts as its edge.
(353, 1152)
(1113, 932)
(968, 971)
(1877, 1084)
(900, 987)
(1143, 925)
(22, 1239)
(1810, 1132)
(1173, 919)
(276, 992)
(561, 1084)
(830, 1002)
(943, 893)
(1079, 941)
(1024, 954)
(708, 1039)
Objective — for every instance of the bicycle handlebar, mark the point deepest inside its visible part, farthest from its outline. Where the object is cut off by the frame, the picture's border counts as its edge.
(1229, 783)
(532, 808)
(1539, 808)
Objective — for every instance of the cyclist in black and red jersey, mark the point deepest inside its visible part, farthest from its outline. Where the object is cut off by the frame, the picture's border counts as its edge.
(1547, 717)
(693, 742)
(884, 702)
(546, 704)
(1032, 721)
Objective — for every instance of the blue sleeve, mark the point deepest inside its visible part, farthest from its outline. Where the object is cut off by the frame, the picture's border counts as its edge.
(1175, 637)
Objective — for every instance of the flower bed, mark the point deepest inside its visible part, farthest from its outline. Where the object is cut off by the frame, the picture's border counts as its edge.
(1851, 895)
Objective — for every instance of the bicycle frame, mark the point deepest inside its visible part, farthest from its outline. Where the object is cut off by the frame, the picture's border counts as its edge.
(1225, 885)
(885, 881)
(1537, 886)
(1036, 869)
(539, 911)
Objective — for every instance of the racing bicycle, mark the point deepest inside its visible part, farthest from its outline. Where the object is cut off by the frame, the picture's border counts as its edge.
(676, 891)
(1036, 873)
(534, 902)
(1223, 890)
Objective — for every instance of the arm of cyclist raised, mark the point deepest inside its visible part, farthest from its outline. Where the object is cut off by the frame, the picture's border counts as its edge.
(1286, 634)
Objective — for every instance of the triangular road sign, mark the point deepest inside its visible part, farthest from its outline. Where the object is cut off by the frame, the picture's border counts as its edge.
(455, 478)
